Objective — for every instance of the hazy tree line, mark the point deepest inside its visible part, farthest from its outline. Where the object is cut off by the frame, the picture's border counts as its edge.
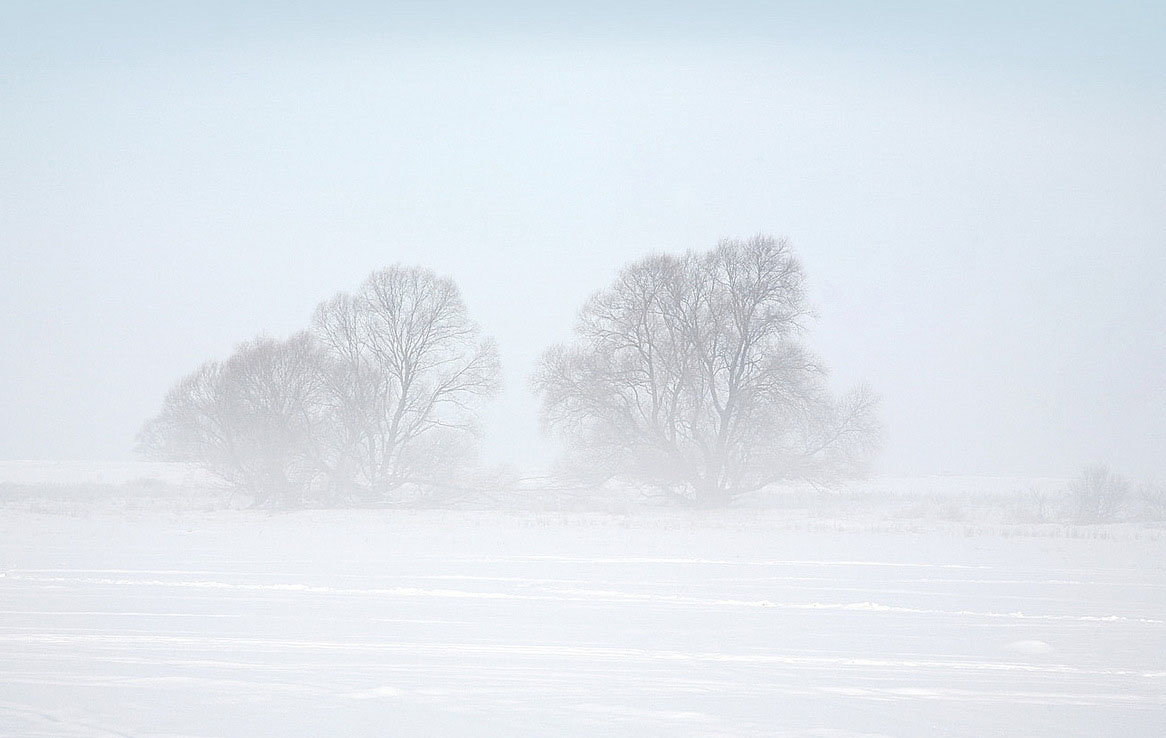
(686, 377)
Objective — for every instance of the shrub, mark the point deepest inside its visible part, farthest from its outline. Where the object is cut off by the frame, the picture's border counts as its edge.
(1098, 495)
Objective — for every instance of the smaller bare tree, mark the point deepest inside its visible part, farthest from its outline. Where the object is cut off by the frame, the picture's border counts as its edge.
(248, 420)
(1152, 501)
(1098, 495)
(378, 394)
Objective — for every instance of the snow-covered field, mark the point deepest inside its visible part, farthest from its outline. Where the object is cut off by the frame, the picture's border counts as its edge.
(243, 623)
(97, 472)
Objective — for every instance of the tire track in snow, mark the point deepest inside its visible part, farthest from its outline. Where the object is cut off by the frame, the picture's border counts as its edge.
(601, 653)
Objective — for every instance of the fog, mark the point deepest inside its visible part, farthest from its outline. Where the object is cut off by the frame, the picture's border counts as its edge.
(619, 368)
(976, 195)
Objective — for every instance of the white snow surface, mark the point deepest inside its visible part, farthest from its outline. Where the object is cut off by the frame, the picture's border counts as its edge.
(98, 472)
(315, 623)
(35, 472)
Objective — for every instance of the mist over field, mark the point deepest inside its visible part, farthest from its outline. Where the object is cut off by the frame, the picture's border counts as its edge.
(615, 369)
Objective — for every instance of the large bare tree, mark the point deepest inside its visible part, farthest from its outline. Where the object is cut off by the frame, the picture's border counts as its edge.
(407, 368)
(687, 374)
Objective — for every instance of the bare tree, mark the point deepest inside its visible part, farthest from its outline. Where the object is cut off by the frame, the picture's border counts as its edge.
(249, 420)
(407, 366)
(379, 393)
(1098, 495)
(687, 375)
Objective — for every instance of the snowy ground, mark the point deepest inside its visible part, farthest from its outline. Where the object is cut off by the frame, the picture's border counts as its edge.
(470, 623)
(97, 472)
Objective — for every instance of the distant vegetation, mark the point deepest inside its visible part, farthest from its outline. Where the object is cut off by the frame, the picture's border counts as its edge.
(688, 379)
(688, 375)
(380, 392)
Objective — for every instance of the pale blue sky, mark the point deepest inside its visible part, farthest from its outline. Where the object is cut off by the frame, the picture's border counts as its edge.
(977, 191)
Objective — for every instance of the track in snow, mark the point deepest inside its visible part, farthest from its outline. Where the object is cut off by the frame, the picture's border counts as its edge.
(318, 624)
